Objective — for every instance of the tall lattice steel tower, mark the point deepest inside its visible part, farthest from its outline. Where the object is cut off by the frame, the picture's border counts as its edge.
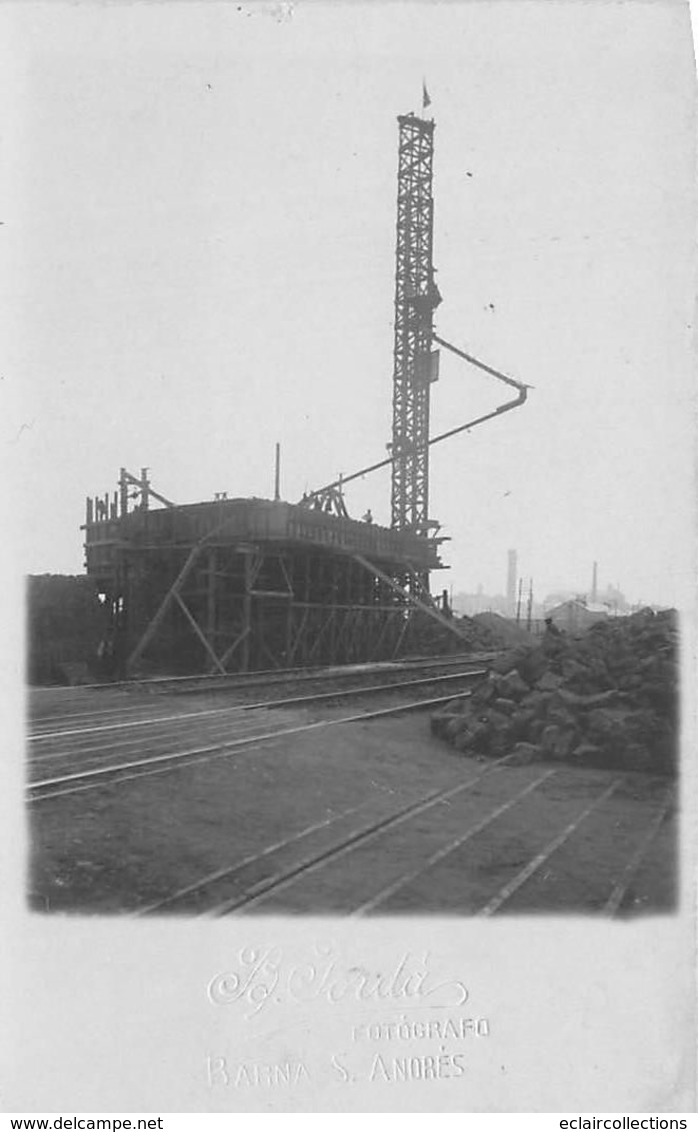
(416, 296)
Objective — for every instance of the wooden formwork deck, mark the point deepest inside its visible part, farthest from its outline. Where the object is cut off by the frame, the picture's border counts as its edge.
(237, 584)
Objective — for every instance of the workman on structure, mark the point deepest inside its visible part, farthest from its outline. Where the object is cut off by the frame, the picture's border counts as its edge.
(106, 655)
(553, 642)
(111, 654)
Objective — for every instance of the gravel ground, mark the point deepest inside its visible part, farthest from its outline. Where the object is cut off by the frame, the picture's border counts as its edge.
(121, 848)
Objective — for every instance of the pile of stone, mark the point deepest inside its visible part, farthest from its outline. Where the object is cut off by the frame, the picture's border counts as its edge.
(65, 623)
(429, 638)
(608, 698)
(504, 632)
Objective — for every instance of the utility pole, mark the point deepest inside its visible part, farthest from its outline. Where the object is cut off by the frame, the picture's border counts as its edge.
(518, 603)
(511, 582)
(530, 604)
(277, 474)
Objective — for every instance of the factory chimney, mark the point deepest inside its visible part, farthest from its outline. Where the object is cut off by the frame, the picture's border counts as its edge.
(511, 583)
(594, 583)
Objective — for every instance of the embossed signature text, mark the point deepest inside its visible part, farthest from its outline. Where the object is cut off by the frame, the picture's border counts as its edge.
(263, 976)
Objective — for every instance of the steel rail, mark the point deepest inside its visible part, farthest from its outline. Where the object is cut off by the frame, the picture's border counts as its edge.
(321, 675)
(508, 890)
(291, 876)
(272, 675)
(160, 743)
(223, 750)
(446, 850)
(413, 809)
(288, 701)
(615, 901)
(222, 874)
(266, 744)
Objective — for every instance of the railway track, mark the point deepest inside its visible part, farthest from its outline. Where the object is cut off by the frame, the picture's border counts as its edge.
(90, 753)
(487, 838)
(56, 702)
(266, 881)
(112, 719)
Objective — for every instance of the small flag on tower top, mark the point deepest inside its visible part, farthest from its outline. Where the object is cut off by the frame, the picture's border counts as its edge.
(426, 101)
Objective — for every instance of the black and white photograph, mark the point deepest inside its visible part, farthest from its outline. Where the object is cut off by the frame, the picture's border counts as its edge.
(349, 419)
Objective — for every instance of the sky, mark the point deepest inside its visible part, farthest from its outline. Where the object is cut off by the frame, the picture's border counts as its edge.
(198, 206)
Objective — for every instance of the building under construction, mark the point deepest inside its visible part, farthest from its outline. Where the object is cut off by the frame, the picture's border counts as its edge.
(241, 584)
(245, 584)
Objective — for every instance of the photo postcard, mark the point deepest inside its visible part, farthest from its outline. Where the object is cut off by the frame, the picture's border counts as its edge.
(349, 557)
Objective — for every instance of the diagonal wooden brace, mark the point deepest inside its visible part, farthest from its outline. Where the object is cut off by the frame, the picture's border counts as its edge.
(198, 630)
(162, 609)
(231, 648)
(417, 602)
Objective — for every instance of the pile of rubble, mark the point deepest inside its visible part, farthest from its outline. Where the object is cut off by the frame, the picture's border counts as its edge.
(65, 623)
(608, 698)
(503, 631)
(426, 637)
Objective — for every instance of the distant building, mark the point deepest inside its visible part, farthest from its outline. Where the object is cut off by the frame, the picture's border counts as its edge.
(575, 616)
(614, 599)
(557, 598)
(468, 605)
